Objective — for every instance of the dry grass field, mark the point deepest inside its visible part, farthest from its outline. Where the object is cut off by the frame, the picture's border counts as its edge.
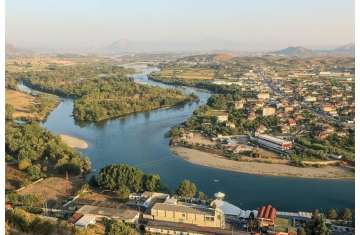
(35, 63)
(53, 190)
(188, 73)
(22, 102)
(14, 178)
(224, 57)
(30, 107)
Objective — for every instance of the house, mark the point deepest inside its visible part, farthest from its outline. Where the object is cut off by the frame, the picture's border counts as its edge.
(178, 212)
(288, 109)
(263, 96)
(328, 108)
(259, 104)
(310, 98)
(285, 129)
(239, 104)
(266, 216)
(222, 116)
(268, 111)
(261, 129)
(291, 122)
(251, 116)
(230, 125)
(242, 148)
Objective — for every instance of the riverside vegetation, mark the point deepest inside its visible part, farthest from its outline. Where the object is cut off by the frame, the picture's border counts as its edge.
(101, 91)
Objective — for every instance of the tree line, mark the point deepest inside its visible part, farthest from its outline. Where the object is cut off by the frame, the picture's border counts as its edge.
(101, 90)
(39, 152)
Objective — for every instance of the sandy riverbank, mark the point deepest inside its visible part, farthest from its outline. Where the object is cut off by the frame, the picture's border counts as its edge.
(212, 160)
(74, 142)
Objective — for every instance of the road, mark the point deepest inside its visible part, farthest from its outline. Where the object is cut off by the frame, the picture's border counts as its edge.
(311, 109)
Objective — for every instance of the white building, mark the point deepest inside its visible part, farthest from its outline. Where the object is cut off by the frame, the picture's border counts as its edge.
(86, 220)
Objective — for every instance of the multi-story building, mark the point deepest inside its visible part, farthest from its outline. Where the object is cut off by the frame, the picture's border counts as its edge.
(177, 212)
(268, 111)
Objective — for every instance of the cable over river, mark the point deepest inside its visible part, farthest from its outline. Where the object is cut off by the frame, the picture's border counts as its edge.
(140, 140)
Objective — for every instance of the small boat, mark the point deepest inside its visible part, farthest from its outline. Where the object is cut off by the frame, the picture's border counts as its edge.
(216, 180)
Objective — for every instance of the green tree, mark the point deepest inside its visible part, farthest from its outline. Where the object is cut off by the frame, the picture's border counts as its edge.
(34, 172)
(20, 219)
(301, 231)
(252, 224)
(317, 225)
(9, 110)
(24, 164)
(152, 183)
(113, 227)
(116, 175)
(186, 189)
(346, 214)
(331, 214)
(123, 193)
(202, 195)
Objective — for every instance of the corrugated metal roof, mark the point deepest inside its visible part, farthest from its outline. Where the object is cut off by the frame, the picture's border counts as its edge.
(184, 208)
(86, 220)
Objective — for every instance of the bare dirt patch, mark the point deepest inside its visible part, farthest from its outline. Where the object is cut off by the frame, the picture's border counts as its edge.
(197, 138)
(74, 142)
(258, 168)
(22, 102)
(14, 177)
(53, 190)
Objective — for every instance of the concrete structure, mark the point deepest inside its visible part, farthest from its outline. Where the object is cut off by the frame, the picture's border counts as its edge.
(263, 96)
(328, 108)
(146, 199)
(86, 220)
(272, 142)
(268, 111)
(310, 98)
(177, 212)
(161, 227)
(124, 214)
(239, 104)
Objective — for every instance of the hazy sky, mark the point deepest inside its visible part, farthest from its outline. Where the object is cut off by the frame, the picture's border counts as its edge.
(217, 24)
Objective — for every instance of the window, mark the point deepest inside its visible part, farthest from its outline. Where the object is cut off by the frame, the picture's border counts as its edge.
(209, 218)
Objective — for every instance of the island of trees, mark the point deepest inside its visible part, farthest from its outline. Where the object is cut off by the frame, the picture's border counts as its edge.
(101, 90)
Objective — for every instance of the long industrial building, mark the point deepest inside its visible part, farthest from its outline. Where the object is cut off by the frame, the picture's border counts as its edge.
(272, 142)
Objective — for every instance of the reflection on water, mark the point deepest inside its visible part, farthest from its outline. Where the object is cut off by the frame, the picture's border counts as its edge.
(140, 140)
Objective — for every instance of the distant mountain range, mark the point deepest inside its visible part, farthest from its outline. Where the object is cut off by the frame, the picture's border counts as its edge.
(345, 50)
(10, 49)
(125, 47)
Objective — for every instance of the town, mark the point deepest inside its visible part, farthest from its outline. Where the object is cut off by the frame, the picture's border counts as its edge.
(298, 109)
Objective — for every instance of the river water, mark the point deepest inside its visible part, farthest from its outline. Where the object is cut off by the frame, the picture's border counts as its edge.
(140, 140)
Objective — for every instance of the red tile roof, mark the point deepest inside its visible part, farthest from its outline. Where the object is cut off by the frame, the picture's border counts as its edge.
(75, 217)
(267, 212)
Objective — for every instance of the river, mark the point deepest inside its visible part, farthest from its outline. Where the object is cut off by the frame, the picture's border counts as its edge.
(140, 140)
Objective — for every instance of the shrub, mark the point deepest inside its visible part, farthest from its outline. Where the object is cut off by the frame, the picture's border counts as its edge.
(24, 164)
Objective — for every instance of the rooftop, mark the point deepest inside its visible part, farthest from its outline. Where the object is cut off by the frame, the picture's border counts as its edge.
(185, 208)
(267, 212)
(115, 213)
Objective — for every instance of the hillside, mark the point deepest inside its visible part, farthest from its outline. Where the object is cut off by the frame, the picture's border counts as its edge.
(298, 51)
